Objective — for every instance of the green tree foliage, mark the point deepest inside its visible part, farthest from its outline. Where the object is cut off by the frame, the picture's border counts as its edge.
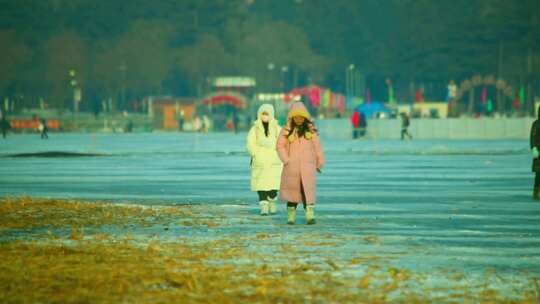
(204, 59)
(139, 47)
(15, 56)
(64, 53)
(279, 44)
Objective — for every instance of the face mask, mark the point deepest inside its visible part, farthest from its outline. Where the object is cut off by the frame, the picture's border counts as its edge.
(265, 118)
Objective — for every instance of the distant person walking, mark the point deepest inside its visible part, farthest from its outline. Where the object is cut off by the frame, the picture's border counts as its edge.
(300, 150)
(363, 125)
(405, 123)
(197, 124)
(181, 121)
(265, 164)
(359, 124)
(452, 91)
(129, 127)
(43, 129)
(355, 121)
(4, 126)
(235, 121)
(535, 148)
(419, 94)
(205, 123)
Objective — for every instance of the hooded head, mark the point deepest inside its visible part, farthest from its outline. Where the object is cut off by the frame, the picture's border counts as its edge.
(306, 128)
(265, 110)
(298, 109)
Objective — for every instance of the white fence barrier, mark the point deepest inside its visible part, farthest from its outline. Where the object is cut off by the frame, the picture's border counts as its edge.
(450, 128)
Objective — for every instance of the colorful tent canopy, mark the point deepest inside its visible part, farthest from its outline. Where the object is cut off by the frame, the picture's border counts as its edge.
(372, 108)
(318, 97)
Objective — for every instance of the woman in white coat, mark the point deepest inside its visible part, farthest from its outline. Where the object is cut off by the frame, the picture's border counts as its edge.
(265, 163)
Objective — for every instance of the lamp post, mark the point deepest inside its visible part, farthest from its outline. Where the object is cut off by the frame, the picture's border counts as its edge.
(284, 71)
(349, 80)
(73, 83)
(123, 69)
(271, 66)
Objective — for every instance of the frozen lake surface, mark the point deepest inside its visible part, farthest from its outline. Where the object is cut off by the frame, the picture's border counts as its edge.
(459, 205)
(214, 168)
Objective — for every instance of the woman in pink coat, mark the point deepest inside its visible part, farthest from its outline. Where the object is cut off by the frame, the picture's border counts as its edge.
(299, 148)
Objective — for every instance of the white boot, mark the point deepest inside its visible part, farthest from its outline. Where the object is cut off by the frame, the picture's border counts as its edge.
(264, 207)
(272, 205)
(291, 215)
(310, 214)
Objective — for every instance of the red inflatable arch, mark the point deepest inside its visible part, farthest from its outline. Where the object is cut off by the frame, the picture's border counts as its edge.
(219, 99)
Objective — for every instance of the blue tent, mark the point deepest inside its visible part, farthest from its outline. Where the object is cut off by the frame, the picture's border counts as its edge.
(372, 108)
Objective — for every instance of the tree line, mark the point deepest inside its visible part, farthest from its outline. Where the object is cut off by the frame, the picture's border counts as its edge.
(127, 50)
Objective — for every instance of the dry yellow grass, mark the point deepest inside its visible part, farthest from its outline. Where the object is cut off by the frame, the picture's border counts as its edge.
(104, 268)
(93, 271)
(28, 213)
(113, 272)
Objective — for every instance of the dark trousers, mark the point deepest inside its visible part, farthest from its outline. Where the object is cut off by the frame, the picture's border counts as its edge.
(537, 180)
(293, 204)
(405, 131)
(265, 195)
(358, 132)
(362, 132)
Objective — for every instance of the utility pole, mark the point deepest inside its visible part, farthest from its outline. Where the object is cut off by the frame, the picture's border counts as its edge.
(529, 101)
(500, 101)
(349, 80)
(123, 69)
(271, 67)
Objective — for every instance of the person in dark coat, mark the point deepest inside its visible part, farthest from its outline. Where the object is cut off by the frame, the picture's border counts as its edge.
(4, 126)
(43, 128)
(405, 123)
(129, 126)
(535, 147)
(363, 124)
(235, 121)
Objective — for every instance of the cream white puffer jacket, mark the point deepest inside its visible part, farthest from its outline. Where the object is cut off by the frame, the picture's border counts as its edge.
(265, 163)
